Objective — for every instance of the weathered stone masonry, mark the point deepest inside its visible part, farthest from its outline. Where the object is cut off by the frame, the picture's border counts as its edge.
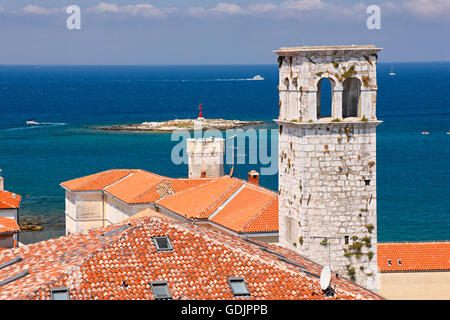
(327, 166)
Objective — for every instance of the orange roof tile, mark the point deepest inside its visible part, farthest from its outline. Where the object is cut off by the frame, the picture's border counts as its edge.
(134, 186)
(181, 184)
(97, 181)
(8, 225)
(413, 256)
(9, 200)
(166, 188)
(240, 213)
(194, 198)
(201, 201)
(122, 265)
(267, 220)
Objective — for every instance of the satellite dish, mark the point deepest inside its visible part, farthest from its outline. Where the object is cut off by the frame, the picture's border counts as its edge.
(325, 278)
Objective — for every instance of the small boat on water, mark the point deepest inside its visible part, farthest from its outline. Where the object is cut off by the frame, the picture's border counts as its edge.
(425, 132)
(392, 73)
(32, 123)
(257, 77)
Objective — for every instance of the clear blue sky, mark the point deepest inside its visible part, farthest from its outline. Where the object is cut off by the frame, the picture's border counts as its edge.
(215, 32)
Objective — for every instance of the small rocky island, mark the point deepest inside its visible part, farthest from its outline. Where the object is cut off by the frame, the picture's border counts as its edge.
(181, 124)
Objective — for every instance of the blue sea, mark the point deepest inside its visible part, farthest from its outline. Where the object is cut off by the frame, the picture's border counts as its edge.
(413, 171)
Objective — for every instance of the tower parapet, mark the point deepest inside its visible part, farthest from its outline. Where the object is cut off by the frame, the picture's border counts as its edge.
(351, 71)
(327, 164)
(205, 157)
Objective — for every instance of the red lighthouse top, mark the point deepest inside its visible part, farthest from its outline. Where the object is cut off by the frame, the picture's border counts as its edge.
(200, 113)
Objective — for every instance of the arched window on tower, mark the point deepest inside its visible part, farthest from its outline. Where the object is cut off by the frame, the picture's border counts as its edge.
(324, 97)
(351, 98)
(294, 83)
(286, 83)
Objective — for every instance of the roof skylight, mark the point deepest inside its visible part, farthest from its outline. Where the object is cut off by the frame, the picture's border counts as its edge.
(160, 290)
(238, 286)
(162, 243)
(60, 293)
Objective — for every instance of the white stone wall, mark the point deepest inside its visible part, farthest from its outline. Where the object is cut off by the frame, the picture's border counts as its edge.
(323, 169)
(205, 154)
(116, 211)
(84, 211)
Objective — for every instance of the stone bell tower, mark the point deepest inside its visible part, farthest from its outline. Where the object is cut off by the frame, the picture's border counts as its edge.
(327, 165)
(205, 157)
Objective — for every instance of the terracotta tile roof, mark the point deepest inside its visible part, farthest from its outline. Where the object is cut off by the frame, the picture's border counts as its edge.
(122, 265)
(9, 200)
(248, 211)
(267, 220)
(181, 184)
(98, 181)
(413, 256)
(8, 225)
(199, 202)
(134, 186)
(195, 198)
(166, 188)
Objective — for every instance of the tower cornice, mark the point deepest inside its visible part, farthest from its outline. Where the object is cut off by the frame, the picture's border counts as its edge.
(323, 125)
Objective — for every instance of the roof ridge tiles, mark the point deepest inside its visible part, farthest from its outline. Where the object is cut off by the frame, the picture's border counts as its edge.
(183, 191)
(259, 213)
(258, 187)
(222, 198)
(121, 179)
(141, 195)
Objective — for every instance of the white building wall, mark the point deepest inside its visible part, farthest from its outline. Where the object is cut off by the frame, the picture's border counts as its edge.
(116, 211)
(84, 211)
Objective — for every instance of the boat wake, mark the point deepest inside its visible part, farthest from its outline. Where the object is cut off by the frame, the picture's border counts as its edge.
(255, 78)
(40, 125)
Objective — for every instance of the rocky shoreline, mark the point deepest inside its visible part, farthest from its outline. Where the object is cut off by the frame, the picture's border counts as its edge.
(180, 124)
(29, 224)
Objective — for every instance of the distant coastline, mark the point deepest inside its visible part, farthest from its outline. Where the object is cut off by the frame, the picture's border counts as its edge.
(180, 124)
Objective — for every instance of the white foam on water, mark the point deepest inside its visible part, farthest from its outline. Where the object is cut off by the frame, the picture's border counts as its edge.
(41, 125)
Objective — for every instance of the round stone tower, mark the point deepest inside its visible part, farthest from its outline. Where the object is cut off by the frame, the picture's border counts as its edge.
(327, 164)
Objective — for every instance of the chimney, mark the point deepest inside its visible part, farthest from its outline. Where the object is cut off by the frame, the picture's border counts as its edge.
(253, 177)
(2, 182)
